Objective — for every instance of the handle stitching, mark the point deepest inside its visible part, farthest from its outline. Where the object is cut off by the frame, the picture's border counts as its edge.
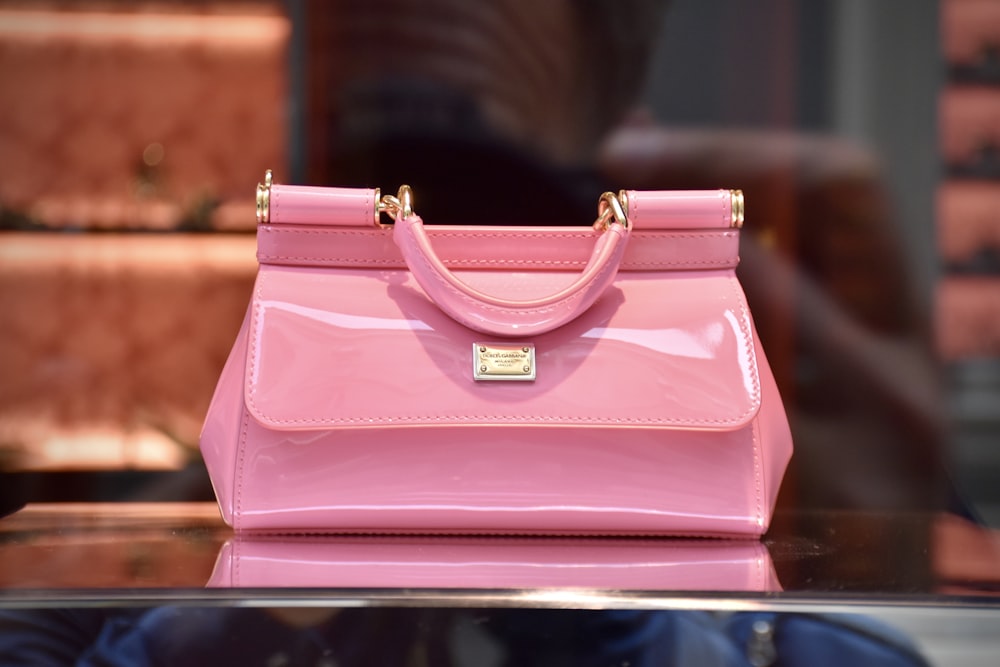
(654, 234)
(722, 263)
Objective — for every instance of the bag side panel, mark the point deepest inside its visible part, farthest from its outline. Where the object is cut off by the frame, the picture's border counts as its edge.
(224, 425)
(775, 435)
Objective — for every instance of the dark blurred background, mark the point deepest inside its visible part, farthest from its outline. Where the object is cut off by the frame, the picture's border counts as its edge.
(864, 133)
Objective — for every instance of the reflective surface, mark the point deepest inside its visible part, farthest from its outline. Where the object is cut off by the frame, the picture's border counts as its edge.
(494, 563)
(138, 584)
(88, 552)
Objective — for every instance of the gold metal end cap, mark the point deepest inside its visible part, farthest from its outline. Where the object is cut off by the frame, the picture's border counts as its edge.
(405, 196)
(737, 208)
(264, 199)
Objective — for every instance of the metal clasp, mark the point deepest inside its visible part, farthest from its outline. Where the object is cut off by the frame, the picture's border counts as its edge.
(610, 209)
(394, 207)
(264, 199)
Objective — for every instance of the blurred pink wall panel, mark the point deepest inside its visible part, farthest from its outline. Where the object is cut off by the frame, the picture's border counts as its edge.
(133, 119)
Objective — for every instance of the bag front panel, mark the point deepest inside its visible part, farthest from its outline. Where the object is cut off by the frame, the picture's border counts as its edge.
(502, 479)
(364, 348)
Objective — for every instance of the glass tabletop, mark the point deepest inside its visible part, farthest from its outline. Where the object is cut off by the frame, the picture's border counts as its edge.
(158, 583)
(81, 553)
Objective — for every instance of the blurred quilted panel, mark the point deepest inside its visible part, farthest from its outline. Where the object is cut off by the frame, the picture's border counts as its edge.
(968, 317)
(970, 130)
(138, 119)
(968, 218)
(111, 345)
(970, 38)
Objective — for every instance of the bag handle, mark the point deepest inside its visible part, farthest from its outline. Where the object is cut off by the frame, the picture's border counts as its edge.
(500, 316)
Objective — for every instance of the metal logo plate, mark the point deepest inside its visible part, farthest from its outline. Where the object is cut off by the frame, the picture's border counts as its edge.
(503, 361)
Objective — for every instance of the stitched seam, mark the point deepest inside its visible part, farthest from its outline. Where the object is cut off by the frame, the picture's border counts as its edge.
(757, 473)
(756, 398)
(332, 260)
(369, 205)
(252, 394)
(517, 262)
(238, 560)
(720, 262)
(279, 229)
(238, 515)
(498, 262)
(513, 419)
(506, 234)
(654, 236)
(252, 352)
(654, 233)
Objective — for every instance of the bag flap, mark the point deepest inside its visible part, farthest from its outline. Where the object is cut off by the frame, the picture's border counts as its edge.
(335, 348)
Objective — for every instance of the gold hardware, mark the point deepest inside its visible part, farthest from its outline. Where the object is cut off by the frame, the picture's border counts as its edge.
(503, 361)
(612, 206)
(623, 201)
(737, 205)
(264, 199)
(394, 207)
(405, 201)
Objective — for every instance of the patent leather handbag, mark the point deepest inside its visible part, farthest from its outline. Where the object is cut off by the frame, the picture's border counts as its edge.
(411, 378)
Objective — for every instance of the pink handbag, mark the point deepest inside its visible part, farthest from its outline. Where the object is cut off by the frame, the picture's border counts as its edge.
(407, 378)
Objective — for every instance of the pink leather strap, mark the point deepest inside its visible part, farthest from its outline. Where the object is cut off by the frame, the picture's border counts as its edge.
(545, 249)
(356, 207)
(680, 209)
(308, 205)
(497, 315)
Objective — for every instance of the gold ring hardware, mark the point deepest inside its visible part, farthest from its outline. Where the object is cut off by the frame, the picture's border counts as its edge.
(264, 199)
(394, 207)
(611, 206)
(738, 207)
